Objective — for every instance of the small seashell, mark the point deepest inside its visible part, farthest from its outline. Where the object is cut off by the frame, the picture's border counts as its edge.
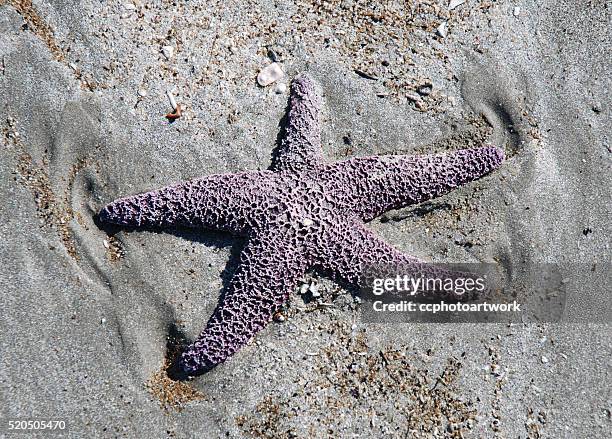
(168, 51)
(269, 75)
(454, 3)
(171, 99)
(314, 290)
(304, 289)
(442, 30)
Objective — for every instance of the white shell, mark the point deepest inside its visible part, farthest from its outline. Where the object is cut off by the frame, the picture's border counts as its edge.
(168, 51)
(270, 74)
(442, 30)
(454, 3)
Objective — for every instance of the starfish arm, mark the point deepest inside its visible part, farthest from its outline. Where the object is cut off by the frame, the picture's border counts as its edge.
(356, 255)
(370, 186)
(270, 268)
(220, 202)
(300, 146)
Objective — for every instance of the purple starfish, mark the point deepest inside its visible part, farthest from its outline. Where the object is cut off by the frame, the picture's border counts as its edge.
(300, 215)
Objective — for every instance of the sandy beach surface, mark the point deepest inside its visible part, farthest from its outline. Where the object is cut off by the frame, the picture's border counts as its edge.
(90, 317)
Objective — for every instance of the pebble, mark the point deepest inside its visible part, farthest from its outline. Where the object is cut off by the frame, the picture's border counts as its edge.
(516, 12)
(425, 89)
(168, 51)
(454, 3)
(280, 88)
(544, 359)
(269, 74)
(314, 290)
(142, 92)
(442, 30)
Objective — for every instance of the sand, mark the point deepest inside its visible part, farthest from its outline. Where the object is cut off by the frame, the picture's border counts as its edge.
(91, 316)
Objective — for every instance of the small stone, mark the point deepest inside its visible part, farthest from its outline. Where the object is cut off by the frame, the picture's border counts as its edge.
(168, 51)
(304, 289)
(270, 74)
(314, 290)
(442, 30)
(279, 317)
(142, 92)
(103, 320)
(425, 89)
(596, 107)
(544, 359)
(454, 3)
(280, 88)
(307, 222)
(129, 6)
(517, 11)
(106, 244)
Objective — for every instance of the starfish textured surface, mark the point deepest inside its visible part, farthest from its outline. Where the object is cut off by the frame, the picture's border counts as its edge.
(300, 215)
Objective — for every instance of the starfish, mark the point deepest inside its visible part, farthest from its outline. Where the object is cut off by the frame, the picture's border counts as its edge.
(302, 214)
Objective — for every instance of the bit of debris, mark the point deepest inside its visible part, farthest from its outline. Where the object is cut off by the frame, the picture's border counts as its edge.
(168, 51)
(280, 88)
(425, 89)
(176, 107)
(114, 249)
(413, 97)
(172, 100)
(516, 11)
(273, 55)
(176, 114)
(544, 359)
(279, 317)
(442, 30)
(270, 74)
(454, 3)
(366, 75)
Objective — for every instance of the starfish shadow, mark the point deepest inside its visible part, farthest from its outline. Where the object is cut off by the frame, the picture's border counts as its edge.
(282, 131)
(177, 340)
